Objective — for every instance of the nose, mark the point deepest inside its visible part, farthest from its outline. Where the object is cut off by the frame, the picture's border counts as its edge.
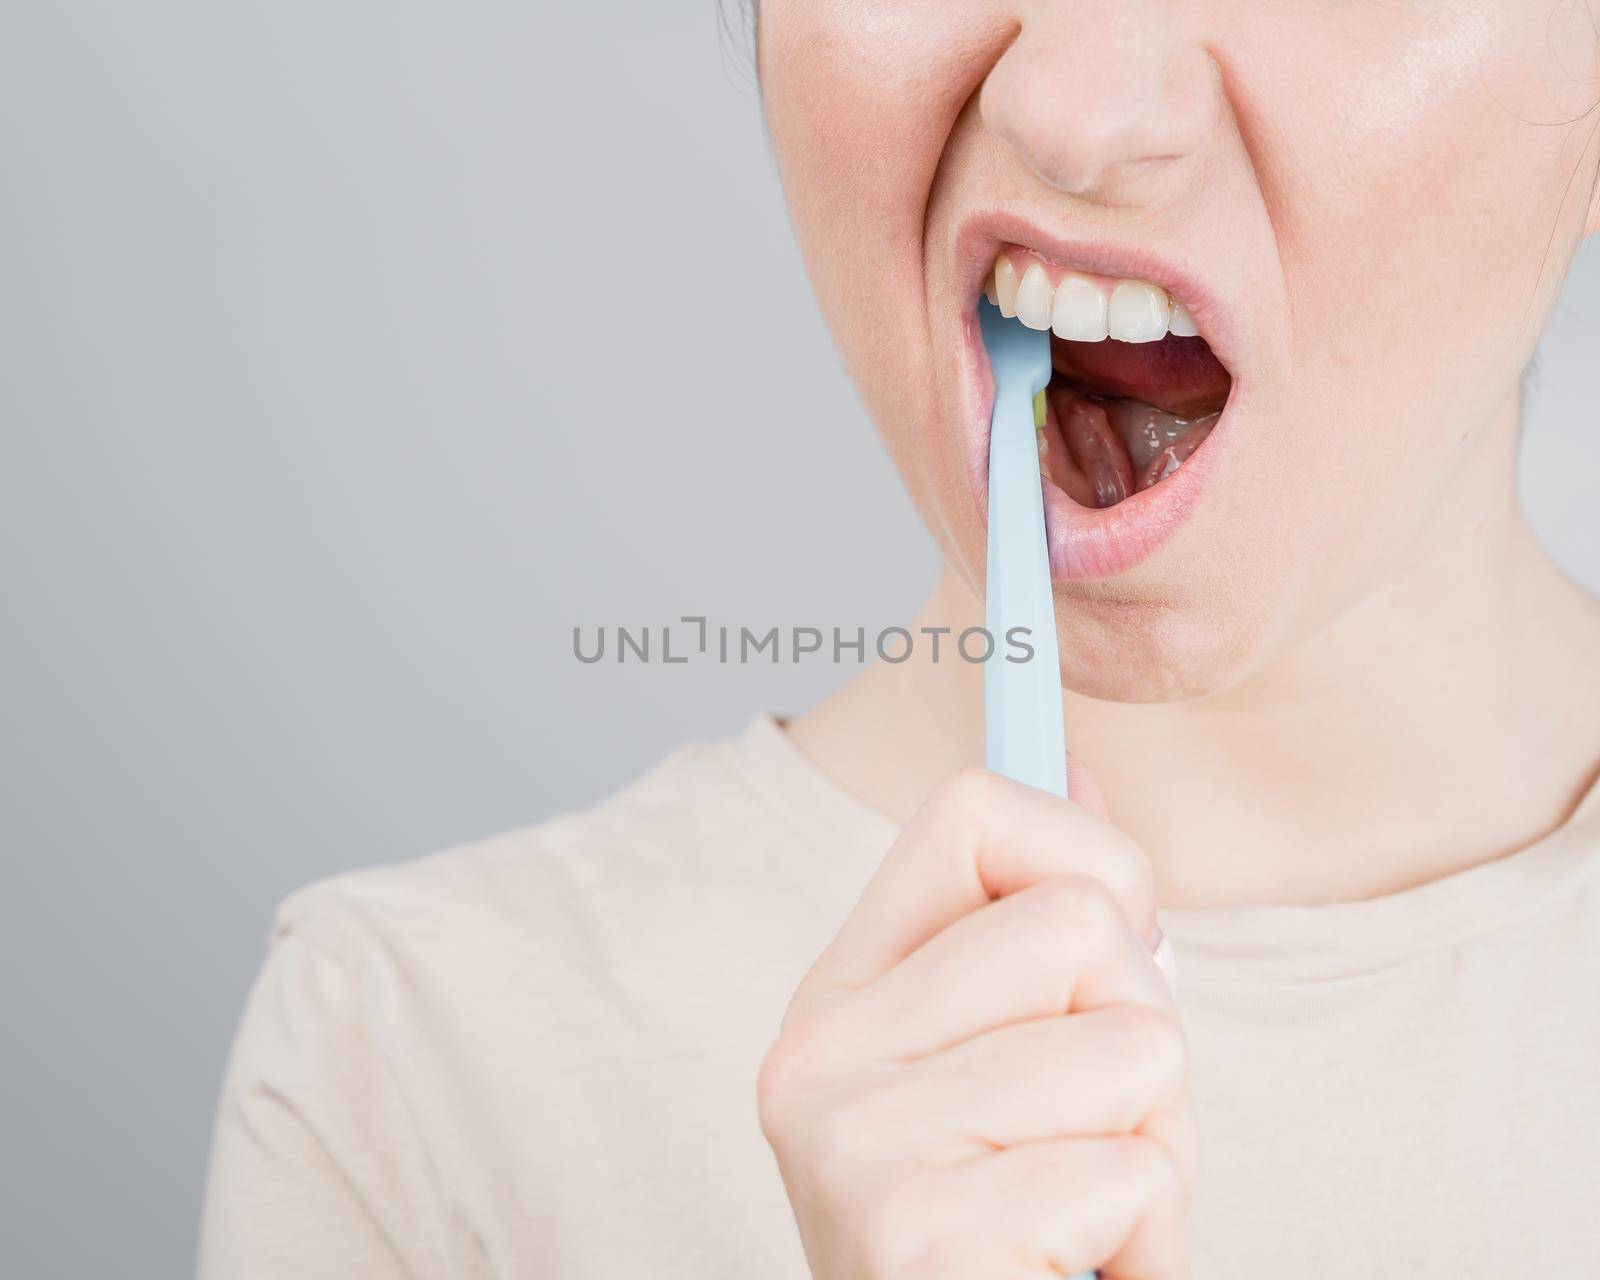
(1099, 97)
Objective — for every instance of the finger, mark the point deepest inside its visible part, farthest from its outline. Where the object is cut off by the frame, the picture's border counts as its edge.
(1083, 788)
(1046, 1209)
(977, 838)
(1122, 1070)
(1059, 947)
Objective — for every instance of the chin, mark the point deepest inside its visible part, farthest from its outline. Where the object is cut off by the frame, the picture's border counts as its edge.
(1150, 650)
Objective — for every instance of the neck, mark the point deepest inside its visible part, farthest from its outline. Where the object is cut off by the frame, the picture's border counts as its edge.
(1445, 718)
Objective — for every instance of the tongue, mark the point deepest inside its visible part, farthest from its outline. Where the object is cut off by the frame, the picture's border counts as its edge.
(1123, 446)
(1172, 456)
(1157, 441)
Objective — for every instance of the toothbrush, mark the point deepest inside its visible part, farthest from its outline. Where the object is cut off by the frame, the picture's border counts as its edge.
(1023, 734)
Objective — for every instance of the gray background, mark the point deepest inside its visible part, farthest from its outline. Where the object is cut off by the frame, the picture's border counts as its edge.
(350, 355)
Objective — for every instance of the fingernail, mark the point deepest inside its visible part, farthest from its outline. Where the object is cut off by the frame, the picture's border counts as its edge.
(1166, 961)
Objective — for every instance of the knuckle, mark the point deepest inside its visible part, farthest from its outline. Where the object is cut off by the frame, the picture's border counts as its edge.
(1082, 909)
(1154, 1169)
(1157, 1043)
(1180, 1134)
(960, 799)
(894, 1230)
(1129, 873)
(798, 1065)
(775, 1090)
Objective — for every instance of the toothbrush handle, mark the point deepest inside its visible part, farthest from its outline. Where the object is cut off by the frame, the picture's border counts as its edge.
(1023, 734)
(1023, 737)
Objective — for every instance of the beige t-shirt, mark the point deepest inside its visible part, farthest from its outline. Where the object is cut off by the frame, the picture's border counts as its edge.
(535, 1056)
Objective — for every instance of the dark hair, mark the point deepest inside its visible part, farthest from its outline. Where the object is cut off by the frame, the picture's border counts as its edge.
(737, 24)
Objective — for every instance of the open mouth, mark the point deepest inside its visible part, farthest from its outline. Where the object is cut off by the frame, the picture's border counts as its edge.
(1134, 389)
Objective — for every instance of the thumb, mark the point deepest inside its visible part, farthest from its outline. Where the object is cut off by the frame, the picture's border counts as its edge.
(1083, 789)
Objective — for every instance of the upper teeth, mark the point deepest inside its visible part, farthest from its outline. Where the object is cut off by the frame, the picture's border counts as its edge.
(1082, 308)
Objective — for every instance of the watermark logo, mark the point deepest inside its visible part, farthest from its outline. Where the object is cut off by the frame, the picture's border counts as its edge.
(693, 638)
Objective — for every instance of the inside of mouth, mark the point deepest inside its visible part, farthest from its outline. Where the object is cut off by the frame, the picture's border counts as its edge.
(1123, 416)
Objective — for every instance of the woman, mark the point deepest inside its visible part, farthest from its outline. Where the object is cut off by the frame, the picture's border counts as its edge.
(1332, 712)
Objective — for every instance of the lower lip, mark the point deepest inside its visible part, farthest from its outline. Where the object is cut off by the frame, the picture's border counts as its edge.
(1087, 542)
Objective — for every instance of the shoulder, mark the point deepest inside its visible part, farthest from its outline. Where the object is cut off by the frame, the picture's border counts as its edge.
(722, 847)
(550, 1002)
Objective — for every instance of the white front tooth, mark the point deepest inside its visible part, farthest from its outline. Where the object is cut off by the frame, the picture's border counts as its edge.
(1080, 311)
(1005, 286)
(1182, 324)
(989, 291)
(1033, 298)
(1139, 312)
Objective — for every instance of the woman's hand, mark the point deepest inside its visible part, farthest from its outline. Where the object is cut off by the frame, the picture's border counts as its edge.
(983, 1076)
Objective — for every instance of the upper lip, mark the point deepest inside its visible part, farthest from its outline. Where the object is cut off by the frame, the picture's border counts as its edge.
(983, 235)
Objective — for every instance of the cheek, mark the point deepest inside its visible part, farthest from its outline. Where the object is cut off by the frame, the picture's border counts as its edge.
(1421, 215)
(1418, 198)
(860, 98)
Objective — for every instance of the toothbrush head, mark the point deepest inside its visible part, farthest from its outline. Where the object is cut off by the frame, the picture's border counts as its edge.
(1018, 356)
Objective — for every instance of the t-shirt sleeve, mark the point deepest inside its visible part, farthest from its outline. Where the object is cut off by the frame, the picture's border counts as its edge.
(316, 1167)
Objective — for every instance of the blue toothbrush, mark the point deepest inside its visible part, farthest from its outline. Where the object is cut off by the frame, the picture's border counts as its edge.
(1023, 737)
(1023, 734)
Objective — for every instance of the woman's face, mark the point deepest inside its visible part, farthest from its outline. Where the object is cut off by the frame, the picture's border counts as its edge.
(1365, 208)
